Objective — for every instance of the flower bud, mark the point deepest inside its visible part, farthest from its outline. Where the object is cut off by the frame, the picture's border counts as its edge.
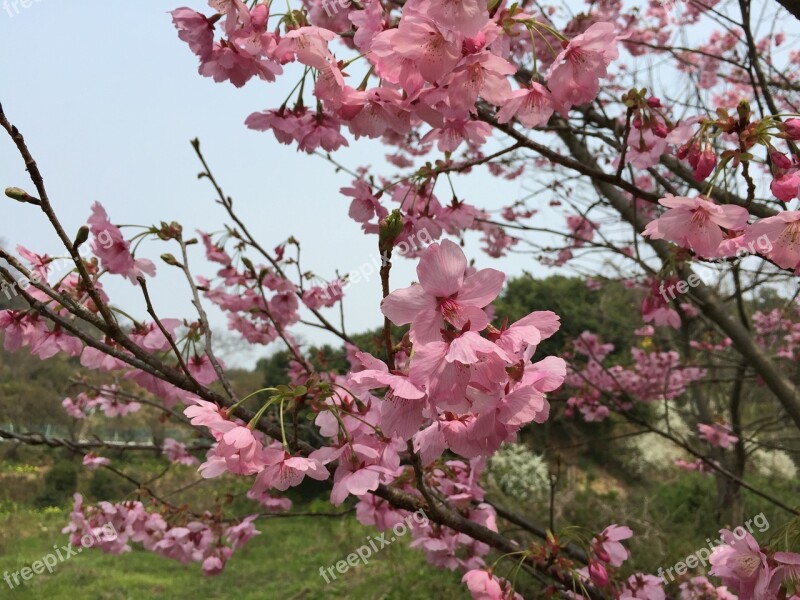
(779, 159)
(21, 195)
(703, 163)
(598, 574)
(390, 228)
(744, 111)
(83, 235)
(248, 264)
(792, 128)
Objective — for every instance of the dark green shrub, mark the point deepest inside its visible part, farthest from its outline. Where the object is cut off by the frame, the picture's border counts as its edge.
(105, 485)
(60, 483)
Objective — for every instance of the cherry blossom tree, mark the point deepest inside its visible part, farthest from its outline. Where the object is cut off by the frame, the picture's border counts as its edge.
(665, 159)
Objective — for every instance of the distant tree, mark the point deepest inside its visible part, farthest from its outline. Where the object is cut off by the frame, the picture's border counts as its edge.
(612, 311)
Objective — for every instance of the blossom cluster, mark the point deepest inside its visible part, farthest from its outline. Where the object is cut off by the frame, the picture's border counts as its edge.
(424, 417)
(107, 399)
(713, 230)
(449, 388)
(598, 387)
(178, 537)
(433, 62)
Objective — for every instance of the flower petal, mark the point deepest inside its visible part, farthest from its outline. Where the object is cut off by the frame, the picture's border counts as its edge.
(481, 288)
(402, 306)
(441, 269)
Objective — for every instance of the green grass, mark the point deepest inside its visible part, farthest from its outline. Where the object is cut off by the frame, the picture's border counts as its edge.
(282, 563)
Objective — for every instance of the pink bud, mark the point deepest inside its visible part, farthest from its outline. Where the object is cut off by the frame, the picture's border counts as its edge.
(703, 162)
(780, 159)
(653, 102)
(601, 553)
(786, 186)
(660, 129)
(598, 574)
(793, 128)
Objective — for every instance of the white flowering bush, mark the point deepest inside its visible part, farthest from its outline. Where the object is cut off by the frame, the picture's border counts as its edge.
(519, 472)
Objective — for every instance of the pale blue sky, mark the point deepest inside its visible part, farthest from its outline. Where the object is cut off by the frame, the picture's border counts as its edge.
(108, 99)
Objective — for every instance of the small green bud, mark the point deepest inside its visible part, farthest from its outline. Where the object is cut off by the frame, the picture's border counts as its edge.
(170, 259)
(390, 228)
(21, 195)
(247, 263)
(83, 235)
(744, 111)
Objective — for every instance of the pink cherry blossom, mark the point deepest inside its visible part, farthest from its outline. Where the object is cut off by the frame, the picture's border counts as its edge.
(698, 465)
(644, 148)
(176, 452)
(444, 294)
(113, 404)
(194, 29)
(483, 74)
(284, 470)
(79, 406)
(787, 571)
(228, 62)
(54, 341)
(484, 585)
(150, 337)
(92, 461)
(700, 588)
(465, 17)
(308, 44)
(113, 249)
(696, 223)
(741, 565)
(270, 502)
(20, 329)
(40, 263)
(374, 112)
(717, 435)
(783, 233)
(208, 414)
(453, 132)
(201, 369)
(531, 106)
(434, 52)
(655, 306)
(607, 546)
(574, 77)
(643, 586)
(93, 358)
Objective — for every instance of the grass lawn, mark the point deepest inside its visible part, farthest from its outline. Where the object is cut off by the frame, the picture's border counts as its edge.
(282, 563)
